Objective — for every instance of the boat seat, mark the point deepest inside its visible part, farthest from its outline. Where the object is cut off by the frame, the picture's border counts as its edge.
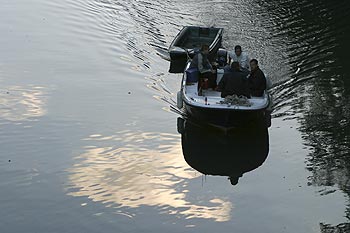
(196, 41)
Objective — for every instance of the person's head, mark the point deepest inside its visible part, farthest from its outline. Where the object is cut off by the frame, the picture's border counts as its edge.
(205, 49)
(253, 64)
(238, 50)
(235, 66)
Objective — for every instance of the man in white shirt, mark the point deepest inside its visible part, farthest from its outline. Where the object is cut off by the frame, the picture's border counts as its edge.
(240, 57)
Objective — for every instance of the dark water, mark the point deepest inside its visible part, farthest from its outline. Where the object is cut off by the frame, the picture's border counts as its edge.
(88, 131)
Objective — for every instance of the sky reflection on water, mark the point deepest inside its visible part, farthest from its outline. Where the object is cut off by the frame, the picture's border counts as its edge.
(68, 68)
(22, 103)
(142, 169)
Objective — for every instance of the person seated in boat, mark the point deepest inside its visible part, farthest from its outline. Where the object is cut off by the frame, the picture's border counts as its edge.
(239, 56)
(234, 82)
(206, 71)
(221, 57)
(256, 79)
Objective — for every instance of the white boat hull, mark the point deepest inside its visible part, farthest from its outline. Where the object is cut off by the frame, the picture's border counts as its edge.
(209, 107)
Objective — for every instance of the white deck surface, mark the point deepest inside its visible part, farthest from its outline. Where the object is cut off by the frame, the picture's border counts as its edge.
(214, 98)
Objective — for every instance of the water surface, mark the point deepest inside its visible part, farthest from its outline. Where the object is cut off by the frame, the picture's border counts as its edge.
(89, 141)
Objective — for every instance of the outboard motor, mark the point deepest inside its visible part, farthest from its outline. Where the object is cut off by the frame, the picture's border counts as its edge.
(179, 58)
(222, 57)
(193, 52)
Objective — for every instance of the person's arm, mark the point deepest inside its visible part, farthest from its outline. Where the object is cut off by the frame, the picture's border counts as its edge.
(210, 66)
(250, 85)
(261, 84)
(200, 63)
(229, 58)
(245, 61)
(263, 81)
(248, 62)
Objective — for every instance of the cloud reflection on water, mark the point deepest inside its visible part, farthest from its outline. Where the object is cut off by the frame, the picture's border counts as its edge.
(21, 103)
(142, 169)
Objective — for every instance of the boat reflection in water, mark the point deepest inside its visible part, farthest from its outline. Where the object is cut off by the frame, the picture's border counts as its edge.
(213, 151)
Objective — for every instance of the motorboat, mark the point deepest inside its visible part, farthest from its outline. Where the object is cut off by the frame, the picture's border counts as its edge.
(188, 41)
(209, 106)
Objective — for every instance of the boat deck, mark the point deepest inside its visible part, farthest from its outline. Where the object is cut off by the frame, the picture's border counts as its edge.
(211, 99)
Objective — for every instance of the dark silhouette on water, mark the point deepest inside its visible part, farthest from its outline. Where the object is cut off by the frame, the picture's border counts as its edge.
(232, 153)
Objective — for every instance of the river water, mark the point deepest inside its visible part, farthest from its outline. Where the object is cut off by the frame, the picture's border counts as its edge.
(88, 122)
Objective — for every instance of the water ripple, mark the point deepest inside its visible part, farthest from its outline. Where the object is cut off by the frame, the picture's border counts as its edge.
(22, 103)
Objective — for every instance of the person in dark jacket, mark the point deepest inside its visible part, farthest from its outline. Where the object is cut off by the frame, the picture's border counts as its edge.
(256, 79)
(206, 71)
(234, 82)
(201, 61)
